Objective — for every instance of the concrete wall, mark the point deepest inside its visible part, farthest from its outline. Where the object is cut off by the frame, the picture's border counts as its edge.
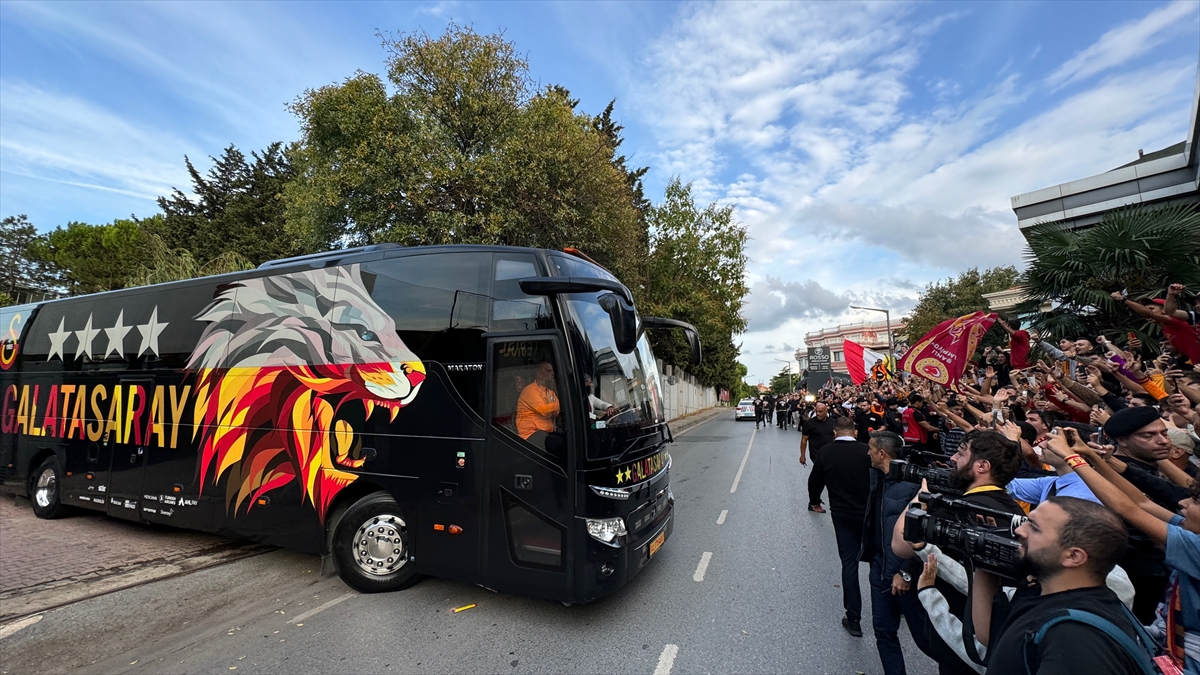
(687, 395)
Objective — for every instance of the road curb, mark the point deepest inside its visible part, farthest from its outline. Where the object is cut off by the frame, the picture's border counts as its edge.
(681, 424)
(23, 602)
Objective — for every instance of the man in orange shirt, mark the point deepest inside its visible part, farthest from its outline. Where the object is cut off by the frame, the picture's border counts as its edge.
(537, 407)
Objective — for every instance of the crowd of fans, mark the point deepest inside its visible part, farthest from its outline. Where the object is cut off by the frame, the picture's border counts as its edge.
(1090, 443)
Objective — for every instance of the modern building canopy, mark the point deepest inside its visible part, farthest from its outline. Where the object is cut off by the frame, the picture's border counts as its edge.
(1164, 176)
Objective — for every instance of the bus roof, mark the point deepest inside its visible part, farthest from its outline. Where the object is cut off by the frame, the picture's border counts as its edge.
(324, 259)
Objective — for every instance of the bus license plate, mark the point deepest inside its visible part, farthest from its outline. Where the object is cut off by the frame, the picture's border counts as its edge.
(658, 542)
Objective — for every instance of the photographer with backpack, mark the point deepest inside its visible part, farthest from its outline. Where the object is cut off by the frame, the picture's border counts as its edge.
(1069, 621)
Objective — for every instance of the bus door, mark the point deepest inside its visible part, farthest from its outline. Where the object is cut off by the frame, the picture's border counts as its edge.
(528, 507)
(87, 467)
(130, 404)
(171, 483)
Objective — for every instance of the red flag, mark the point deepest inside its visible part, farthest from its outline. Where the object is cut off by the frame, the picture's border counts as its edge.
(859, 360)
(942, 355)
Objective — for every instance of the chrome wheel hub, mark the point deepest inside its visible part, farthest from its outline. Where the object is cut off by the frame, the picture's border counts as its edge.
(47, 485)
(380, 545)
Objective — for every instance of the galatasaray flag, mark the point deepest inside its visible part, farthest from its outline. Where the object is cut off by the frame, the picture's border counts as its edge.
(860, 360)
(942, 355)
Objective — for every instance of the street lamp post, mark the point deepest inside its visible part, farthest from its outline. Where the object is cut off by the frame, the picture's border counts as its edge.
(789, 365)
(888, 317)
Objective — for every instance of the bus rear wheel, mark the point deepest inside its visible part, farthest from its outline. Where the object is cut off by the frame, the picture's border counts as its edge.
(45, 490)
(371, 546)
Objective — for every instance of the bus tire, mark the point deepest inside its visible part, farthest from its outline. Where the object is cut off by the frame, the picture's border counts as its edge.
(45, 490)
(372, 548)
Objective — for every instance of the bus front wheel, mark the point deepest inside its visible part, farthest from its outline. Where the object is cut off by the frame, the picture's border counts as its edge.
(45, 490)
(371, 546)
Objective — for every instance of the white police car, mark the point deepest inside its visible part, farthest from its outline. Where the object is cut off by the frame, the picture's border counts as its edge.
(745, 409)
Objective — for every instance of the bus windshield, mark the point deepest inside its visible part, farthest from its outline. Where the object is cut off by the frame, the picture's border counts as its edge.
(622, 390)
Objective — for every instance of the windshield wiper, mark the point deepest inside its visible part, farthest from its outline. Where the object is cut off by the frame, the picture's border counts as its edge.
(639, 443)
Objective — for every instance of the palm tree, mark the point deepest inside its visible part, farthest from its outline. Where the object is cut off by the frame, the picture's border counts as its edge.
(1137, 249)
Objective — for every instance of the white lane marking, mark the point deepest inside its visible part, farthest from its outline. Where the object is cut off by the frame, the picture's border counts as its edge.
(738, 478)
(702, 567)
(300, 617)
(666, 660)
(721, 518)
(28, 621)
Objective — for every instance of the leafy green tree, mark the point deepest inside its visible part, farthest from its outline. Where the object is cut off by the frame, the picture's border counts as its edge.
(238, 207)
(782, 382)
(740, 389)
(696, 272)
(952, 298)
(96, 258)
(461, 148)
(164, 263)
(22, 275)
(1138, 249)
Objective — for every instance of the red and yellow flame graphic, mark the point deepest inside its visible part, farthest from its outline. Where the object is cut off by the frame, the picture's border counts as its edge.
(265, 426)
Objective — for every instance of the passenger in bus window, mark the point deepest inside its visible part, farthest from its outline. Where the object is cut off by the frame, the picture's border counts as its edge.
(600, 409)
(537, 408)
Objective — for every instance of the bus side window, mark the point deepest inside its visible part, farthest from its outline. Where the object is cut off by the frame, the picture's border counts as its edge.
(440, 307)
(525, 401)
(512, 310)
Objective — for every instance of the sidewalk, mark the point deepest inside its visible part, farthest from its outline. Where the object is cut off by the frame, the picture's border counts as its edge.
(682, 424)
(44, 563)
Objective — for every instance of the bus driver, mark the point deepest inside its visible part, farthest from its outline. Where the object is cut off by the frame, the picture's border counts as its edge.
(537, 407)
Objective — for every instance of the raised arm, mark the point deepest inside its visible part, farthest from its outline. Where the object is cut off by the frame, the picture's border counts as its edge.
(1138, 308)
(1100, 479)
(1171, 304)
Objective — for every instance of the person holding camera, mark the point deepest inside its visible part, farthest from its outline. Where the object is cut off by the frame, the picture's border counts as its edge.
(844, 466)
(1069, 546)
(983, 466)
(891, 576)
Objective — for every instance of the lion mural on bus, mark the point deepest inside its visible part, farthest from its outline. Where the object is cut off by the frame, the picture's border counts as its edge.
(281, 355)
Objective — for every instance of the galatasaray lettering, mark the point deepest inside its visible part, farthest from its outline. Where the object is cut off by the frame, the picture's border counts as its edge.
(641, 470)
(127, 413)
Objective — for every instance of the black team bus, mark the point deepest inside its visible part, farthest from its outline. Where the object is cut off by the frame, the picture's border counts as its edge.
(486, 414)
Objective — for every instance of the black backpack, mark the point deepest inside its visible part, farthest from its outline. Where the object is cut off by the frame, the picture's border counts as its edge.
(1142, 650)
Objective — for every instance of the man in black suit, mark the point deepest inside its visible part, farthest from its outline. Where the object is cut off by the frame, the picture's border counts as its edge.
(845, 467)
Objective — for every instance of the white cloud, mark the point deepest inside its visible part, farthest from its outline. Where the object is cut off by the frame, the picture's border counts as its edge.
(801, 117)
(1127, 41)
(62, 138)
(774, 301)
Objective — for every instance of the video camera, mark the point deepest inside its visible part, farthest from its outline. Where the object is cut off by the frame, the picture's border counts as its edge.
(962, 527)
(917, 465)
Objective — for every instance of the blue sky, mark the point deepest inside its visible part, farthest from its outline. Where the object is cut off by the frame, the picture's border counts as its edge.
(870, 149)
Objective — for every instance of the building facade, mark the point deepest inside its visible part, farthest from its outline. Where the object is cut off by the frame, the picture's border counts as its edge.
(871, 334)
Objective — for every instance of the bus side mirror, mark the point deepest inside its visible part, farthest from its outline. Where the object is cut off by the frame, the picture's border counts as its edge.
(689, 331)
(624, 321)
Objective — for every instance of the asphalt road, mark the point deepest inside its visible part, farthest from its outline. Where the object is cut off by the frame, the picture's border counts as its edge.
(747, 584)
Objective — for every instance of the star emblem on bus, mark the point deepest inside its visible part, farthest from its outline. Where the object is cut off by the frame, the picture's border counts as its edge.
(85, 337)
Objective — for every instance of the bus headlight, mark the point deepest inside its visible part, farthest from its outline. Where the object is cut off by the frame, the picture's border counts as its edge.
(606, 530)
